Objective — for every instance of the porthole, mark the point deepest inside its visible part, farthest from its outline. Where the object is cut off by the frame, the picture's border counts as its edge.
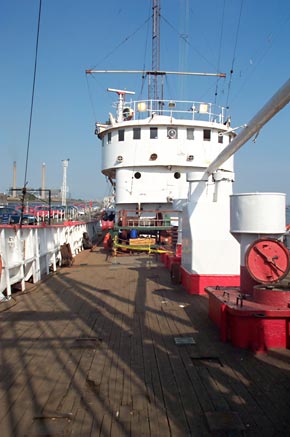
(137, 175)
(153, 157)
(177, 175)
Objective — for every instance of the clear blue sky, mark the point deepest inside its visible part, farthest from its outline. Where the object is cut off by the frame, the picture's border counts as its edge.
(77, 35)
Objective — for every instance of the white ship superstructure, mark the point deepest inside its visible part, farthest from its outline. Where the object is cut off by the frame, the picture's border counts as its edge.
(157, 154)
(147, 153)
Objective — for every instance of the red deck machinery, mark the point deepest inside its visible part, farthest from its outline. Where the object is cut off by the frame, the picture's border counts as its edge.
(257, 314)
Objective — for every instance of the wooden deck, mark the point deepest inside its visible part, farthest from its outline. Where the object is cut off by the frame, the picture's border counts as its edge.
(93, 350)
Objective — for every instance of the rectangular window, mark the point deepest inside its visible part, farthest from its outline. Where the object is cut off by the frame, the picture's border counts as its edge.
(121, 134)
(153, 133)
(136, 133)
(206, 134)
(220, 138)
(109, 137)
(190, 133)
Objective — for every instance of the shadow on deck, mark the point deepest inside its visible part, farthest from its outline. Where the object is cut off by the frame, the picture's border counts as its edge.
(113, 348)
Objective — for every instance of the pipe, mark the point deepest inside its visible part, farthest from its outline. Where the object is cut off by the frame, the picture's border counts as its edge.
(274, 105)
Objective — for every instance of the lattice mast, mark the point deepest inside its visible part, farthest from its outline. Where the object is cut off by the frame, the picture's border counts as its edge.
(154, 87)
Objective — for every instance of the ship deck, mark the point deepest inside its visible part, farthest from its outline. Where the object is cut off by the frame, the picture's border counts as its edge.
(113, 348)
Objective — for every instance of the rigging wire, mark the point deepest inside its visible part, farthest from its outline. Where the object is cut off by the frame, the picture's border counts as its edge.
(184, 37)
(261, 54)
(234, 56)
(126, 39)
(91, 98)
(31, 107)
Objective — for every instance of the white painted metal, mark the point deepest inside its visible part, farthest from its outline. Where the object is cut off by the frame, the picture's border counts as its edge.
(258, 213)
(208, 211)
(162, 162)
(181, 73)
(147, 189)
(31, 252)
(64, 181)
(208, 248)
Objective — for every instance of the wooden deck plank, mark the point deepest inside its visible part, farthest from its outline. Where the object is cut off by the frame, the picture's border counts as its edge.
(128, 377)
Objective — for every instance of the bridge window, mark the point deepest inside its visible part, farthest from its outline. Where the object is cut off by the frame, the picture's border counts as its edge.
(220, 138)
(206, 134)
(153, 133)
(190, 133)
(121, 134)
(136, 133)
(109, 137)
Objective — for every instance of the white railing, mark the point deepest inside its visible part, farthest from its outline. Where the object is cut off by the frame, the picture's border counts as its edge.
(181, 109)
(32, 251)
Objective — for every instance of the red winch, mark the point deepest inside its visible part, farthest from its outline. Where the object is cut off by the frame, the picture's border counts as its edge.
(257, 314)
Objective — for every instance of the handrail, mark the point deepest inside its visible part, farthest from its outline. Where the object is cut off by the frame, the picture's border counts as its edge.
(189, 109)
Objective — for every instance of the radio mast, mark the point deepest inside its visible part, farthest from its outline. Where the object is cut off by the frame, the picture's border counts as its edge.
(154, 85)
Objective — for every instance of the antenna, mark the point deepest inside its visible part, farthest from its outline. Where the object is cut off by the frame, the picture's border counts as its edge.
(120, 92)
(155, 92)
(121, 101)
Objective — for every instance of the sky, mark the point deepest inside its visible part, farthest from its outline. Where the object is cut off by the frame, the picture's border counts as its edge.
(249, 37)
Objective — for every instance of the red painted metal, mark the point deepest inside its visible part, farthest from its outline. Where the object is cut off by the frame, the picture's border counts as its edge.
(247, 281)
(248, 324)
(267, 260)
(275, 297)
(196, 284)
(178, 250)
